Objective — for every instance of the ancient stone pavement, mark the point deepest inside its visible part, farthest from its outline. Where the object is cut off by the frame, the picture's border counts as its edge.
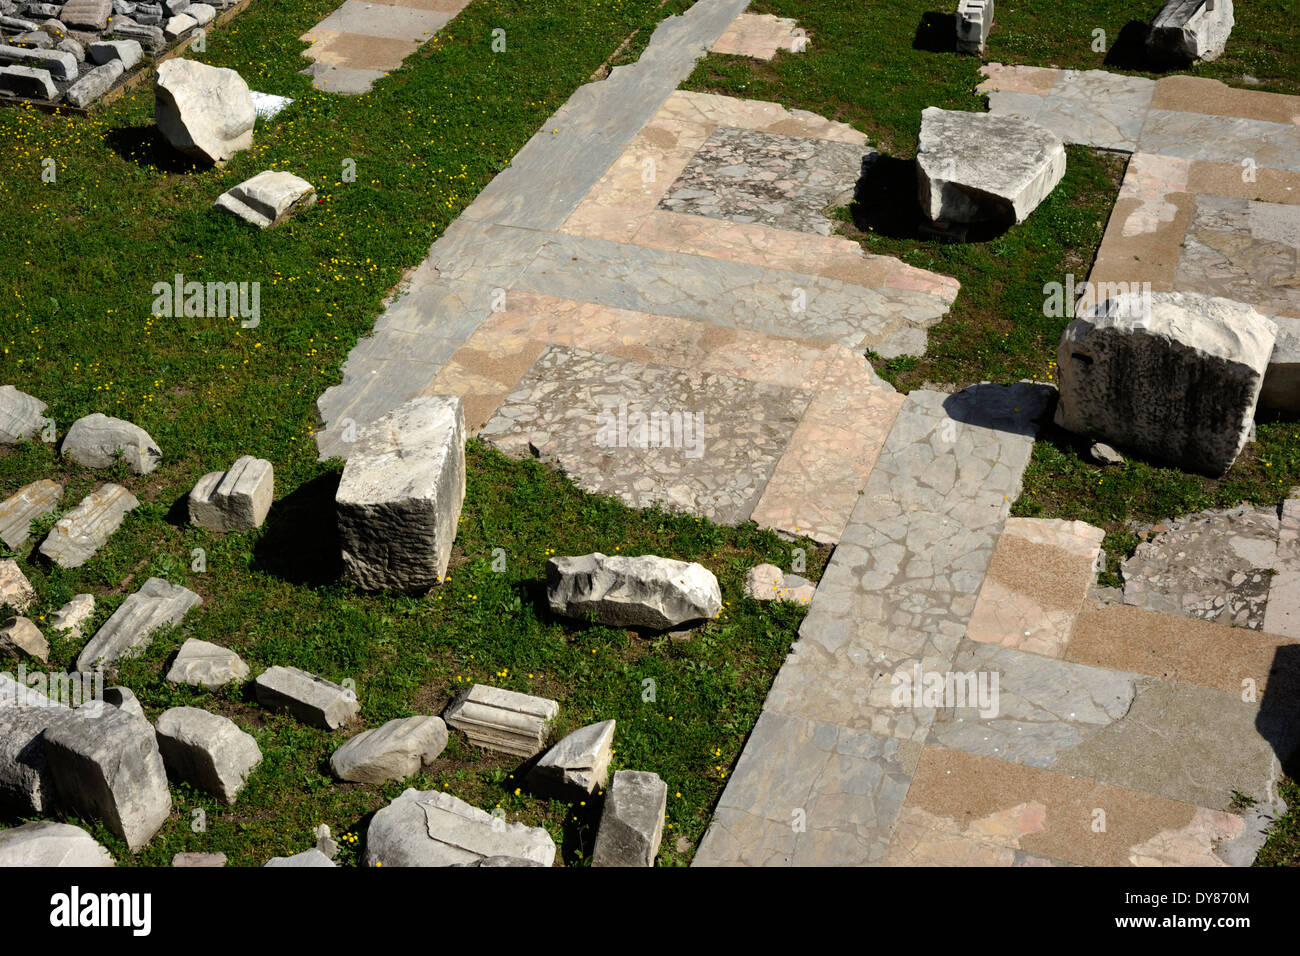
(651, 297)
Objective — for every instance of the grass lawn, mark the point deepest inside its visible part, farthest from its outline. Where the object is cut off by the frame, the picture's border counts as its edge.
(82, 256)
(877, 66)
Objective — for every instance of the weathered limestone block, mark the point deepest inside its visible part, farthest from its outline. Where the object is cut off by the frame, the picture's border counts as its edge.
(149, 36)
(15, 589)
(26, 786)
(30, 502)
(646, 591)
(95, 440)
(1281, 389)
(1185, 31)
(395, 751)
(202, 13)
(431, 828)
(94, 84)
(234, 500)
(203, 111)
(974, 21)
(977, 167)
(60, 65)
(129, 52)
(132, 627)
(504, 720)
(21, 639)
(108, 768)
(21, 416)
(632, 821)
(202, 664)
(308, 858)
(311, 699)
(84, 530)
(400, 497)
(1175, 378)
(577, 765)
(177, 25)
(767, 582)
(88, 14)
(123, 698)
(207, 750)
(268, 199)
(72, 615)
(29, 82)
(44, 843)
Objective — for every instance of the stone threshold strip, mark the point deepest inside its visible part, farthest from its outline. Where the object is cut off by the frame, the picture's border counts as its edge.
(611, 272)
(1210, 201)
(364, 40)
(1104, 748)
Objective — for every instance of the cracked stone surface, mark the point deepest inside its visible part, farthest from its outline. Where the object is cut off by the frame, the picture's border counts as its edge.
(783, 181)
(760, 36)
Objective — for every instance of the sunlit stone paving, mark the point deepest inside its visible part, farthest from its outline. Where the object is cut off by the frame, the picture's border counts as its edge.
(593, 436)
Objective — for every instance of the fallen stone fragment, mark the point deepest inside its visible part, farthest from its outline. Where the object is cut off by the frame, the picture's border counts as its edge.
(400, 497)
(201, 664)
(149, 14)
(1185, 31)
(150, 37)
(495, 861)
(974, 21)
(234, 500)
(44, 843)
(90, 14)
(326, 843)
(503, 720)
(21, 416)
(123, 698)
(1103, 454)
(96, 440)
(767, 582)
(632, 821)
(395, 751)
(84, 530)
(207, 750)
(132, 627)
(268, 105)
(311, 699)
(431, 828)
(647, 591)
(60, 65)
(175, 7)
(177, 25)
(312, 857)
(108, 768)
(202, 13)
(199, 859)
(268, 199)
(128, 52)
(204, 111)
(37, 39)
(1281, 389)
(30, 82)
(978, 167)
(21, 639)
(69, 45)
(577, 765)
(72, 615)
(1173, 376)
(94, 84)
(26, 786)
(15, 589)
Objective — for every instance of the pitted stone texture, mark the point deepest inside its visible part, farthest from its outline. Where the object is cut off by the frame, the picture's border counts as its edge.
(108, 768)
(1036, 584)
(26, 786)
(207, 750)
(577, 765)
(505, 720)
(976, 167)
(15, 590)
(845, 787)
(400, 497)
(30, 502)
(72, 615)
(204, 111)
(131, 629)
(784, 181)
(51, 844)
(21, 416)
(623, 591)
(695, 441)
(432, 828)
(21, 639)
(1212, 565)
(632, 820)
(311, 699)
(1174, 376)
(268, 199)
(202, 664)
(1185, 31)
(234, 500)
(85, 529)
(95, 440)
(399, 749)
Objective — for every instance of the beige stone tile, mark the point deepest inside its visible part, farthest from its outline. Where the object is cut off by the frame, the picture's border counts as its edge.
(758, 36)
(763, 116)
(1017, 79)
(1198, 94)
(355, 51)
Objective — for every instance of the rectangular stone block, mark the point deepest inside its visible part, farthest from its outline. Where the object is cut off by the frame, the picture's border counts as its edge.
(311, 699)
(504, 720)
(974, 21)
(156, 605)
(19, 510)
(84, 530)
